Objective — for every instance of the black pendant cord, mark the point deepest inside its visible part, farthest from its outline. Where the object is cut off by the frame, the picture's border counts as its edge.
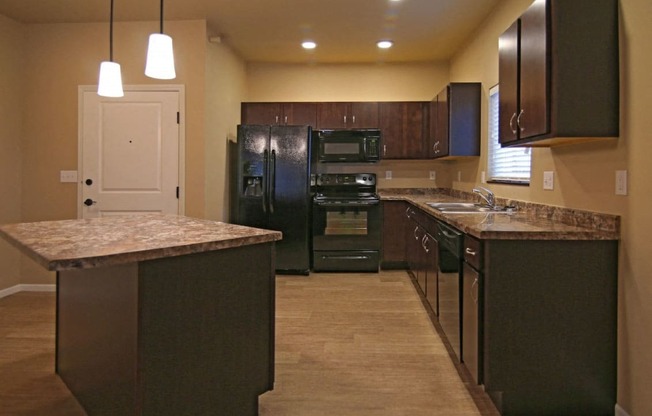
(111, 34)
(161, 16)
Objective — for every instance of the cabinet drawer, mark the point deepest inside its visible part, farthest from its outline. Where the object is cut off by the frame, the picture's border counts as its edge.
(473, 252)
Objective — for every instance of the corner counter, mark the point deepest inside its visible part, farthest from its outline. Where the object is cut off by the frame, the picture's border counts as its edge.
(159, 314)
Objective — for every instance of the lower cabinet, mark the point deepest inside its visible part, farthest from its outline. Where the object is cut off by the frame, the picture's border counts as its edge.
(538, 317)
(394, 228)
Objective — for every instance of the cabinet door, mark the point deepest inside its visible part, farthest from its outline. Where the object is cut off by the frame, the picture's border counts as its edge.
(331, 115)
(470, 321)
(534, 118)
(431, 260)
(300, 114)
(508, 57)
(394, 228)
(442, 128)
(413, 237)
(261, 113)
(403, 128)
(363, 115)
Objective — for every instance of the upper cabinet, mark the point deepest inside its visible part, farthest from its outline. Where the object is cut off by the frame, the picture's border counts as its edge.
(279, 113)
(455, 121)
(356, 115)
(558, 74)
(404, 129)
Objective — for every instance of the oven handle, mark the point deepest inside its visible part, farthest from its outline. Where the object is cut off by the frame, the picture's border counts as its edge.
(344, 257)
(346, 205)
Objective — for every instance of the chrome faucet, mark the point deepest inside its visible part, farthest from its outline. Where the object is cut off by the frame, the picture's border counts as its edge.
(490, 198)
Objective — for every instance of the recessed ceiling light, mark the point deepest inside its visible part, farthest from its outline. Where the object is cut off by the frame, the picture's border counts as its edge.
(384, 44)
(308, 45)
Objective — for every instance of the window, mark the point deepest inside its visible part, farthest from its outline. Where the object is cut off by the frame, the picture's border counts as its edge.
(510, 164)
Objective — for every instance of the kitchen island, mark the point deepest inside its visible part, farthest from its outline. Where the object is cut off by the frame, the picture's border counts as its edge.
(159, 314)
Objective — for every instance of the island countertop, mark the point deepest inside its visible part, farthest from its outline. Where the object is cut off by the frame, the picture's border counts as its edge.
(97, 242)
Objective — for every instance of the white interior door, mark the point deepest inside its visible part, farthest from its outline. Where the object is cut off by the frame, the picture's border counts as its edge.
(129, 150)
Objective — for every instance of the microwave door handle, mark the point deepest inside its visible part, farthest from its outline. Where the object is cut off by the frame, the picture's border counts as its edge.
(272, 182)
(364, 148)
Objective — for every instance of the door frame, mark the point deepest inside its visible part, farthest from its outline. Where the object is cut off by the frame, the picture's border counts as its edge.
(181, 90)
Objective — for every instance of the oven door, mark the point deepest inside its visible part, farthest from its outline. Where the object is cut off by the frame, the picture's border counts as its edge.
(346, 235)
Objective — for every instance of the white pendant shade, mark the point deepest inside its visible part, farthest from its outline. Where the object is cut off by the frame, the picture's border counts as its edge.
(110, 84)
(160, 57)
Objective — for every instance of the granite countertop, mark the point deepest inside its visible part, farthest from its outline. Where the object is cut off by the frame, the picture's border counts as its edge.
(529, 222)
(70, 244)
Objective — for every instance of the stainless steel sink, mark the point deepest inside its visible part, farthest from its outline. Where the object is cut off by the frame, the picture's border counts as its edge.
(463, 208)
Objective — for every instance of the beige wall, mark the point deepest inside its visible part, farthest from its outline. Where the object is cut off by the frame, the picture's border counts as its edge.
(225, 90)
(12, 46)
(585, 179)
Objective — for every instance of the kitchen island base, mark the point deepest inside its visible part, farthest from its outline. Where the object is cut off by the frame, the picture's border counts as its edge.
(190, 334)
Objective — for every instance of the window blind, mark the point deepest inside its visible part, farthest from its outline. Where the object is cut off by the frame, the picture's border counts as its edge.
(511, 164)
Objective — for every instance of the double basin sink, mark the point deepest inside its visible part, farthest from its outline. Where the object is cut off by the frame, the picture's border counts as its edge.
(466, 208)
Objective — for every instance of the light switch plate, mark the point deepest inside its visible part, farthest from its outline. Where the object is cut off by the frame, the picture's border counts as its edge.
(548, 180)
(433, 175)
(621, 182)
(68, 176)
(388, 174)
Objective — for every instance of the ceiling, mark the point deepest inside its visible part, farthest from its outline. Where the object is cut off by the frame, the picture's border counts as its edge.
(271, 30)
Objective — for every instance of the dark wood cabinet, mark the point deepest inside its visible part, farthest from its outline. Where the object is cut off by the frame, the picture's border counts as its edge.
(559, 74)
(471, 308)
(404, 128)
(422, 254)
(454, 129)
(342, 115)
(279, 113)
(430, 267)
(394, 228)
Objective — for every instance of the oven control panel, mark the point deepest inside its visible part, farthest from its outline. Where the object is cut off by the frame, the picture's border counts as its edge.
(346, 179)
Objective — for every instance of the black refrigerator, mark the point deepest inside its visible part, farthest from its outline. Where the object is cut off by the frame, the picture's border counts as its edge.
(271, 189)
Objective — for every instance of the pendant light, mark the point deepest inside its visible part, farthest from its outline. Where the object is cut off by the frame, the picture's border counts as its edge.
(110, 83)
(160, 56)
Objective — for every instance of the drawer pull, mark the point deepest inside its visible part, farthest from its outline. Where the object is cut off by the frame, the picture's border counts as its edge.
(470, 252)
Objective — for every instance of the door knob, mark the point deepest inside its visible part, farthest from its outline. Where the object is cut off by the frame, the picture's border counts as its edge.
(88, 202)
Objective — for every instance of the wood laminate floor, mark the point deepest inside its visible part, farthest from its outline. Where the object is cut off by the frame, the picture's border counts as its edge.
(346, 344)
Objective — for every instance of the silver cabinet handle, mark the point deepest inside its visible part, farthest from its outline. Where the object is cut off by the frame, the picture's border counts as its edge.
(384, 150)
(435, 147)
(470, 252)
(511, 123)
(285, 120)
(276, 120)
(407, 212)
(344, 119)
(474, 285)
(353, 119)
(424, 243)
(416, 237)
(518, 121)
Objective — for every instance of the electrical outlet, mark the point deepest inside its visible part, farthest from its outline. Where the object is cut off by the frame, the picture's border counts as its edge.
(621, 182)
(68, 176)
(388, 174)
(433, 175)
(548, 180)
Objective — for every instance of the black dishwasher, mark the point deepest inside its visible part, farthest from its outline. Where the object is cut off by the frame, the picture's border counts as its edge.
(450, 245)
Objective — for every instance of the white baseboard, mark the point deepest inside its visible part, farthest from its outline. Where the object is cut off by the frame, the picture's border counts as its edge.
(27, 288)
(620, 411)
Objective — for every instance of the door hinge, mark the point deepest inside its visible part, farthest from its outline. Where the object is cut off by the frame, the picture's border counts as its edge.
(178, 117)
(177, 192)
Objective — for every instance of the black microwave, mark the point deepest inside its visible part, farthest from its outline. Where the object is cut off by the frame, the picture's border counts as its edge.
(353, 146)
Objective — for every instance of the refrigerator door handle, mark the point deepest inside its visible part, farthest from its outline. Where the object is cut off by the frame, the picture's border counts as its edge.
(265, 179)
(272, 182)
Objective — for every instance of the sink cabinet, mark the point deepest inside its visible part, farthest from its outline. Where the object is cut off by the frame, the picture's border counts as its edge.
(559, 74)
(472, 306)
